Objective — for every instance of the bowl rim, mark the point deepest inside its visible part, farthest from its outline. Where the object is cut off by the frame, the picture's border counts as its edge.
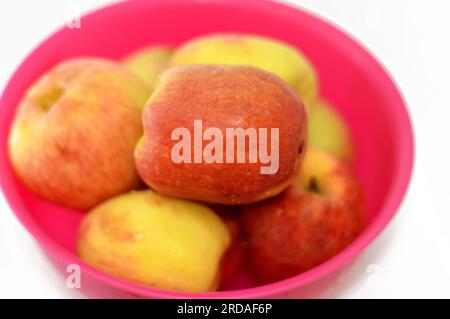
(395, 195)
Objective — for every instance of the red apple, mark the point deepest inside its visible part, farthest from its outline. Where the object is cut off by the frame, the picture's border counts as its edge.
(313, 220)
(234, 258)
(75, 130)
(194, 146)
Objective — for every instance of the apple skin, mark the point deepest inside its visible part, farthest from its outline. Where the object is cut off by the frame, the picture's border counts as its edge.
(73, 136)
(235, 257)
(154, 240)
(328, 131)
(312, 221)
(258, 51)
(222, 96)
(148, 63)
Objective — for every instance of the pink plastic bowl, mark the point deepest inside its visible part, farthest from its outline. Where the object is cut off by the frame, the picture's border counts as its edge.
(350, 78)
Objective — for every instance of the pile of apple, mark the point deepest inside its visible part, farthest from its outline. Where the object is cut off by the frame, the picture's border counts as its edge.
(95, 135)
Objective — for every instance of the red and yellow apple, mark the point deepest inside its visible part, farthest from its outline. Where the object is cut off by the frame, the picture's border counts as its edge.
(154, 240)
(148, 63)
(316, 218)
(212, 165)
(328, 131)
(75, 130)
(244, 49)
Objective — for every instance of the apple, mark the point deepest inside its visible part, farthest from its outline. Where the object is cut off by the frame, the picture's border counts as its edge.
(221, 134)
(154, 240)
(234, 258)
(328, 131)
(245, 49)
(75, 130)
(312, 221)
(148, 63)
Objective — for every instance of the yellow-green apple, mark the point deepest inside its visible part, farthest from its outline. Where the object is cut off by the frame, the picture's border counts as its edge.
(75, 130)
(244, 49)
(148, 63)
(154, 240)
(221, 134)
(317, 217)
(328, 131)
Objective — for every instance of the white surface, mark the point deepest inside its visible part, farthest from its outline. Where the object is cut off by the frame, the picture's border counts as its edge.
(412, 257)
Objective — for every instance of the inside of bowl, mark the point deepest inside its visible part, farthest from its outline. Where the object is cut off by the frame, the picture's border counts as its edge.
(345, 80)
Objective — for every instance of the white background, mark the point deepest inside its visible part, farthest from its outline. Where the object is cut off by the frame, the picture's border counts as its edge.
(412, 257)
